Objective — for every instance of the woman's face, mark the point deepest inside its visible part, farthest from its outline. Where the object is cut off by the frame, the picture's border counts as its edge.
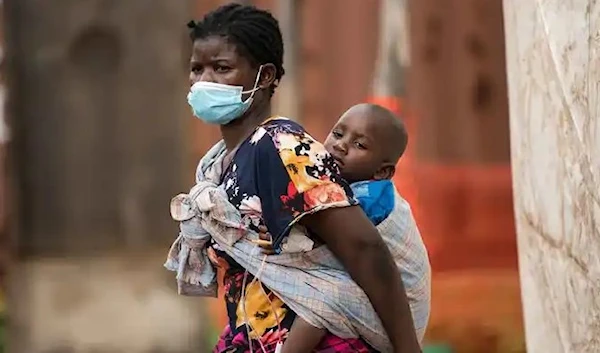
(214, 59)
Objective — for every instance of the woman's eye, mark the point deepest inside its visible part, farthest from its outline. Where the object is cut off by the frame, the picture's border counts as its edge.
(222, 69)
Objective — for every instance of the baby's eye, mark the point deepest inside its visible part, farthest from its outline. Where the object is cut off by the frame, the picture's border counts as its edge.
(336, 134)
(360, 146)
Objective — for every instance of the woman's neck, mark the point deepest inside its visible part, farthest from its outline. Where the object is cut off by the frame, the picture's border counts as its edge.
(238, 130)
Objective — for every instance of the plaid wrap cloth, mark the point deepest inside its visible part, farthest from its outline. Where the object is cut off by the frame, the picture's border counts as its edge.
(314, 284)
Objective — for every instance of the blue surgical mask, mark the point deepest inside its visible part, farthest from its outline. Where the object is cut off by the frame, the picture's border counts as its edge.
(220, 104)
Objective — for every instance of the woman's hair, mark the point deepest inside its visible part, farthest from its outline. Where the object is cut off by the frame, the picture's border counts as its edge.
(253, 31)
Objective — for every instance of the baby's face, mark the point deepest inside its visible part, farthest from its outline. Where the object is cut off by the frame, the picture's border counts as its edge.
(354, 144)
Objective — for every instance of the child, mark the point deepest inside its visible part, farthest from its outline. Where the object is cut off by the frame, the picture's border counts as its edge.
(367, 142)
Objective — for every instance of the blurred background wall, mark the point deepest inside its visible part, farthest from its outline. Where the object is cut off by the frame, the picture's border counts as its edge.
(98, 143)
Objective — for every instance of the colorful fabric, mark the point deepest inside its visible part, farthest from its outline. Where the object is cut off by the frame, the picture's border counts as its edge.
(287, 175)
(228, 342)
(376, 198)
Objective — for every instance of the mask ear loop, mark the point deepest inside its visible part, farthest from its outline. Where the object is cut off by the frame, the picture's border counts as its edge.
(279, 343)
(255, 88)
(244, 310)
(248, 325)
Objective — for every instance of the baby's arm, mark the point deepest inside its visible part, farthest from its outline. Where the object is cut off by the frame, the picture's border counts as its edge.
(303, 338)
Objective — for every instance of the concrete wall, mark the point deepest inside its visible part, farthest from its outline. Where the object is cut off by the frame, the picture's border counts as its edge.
(553, 74)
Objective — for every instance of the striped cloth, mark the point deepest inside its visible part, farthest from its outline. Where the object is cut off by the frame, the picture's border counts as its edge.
(314, 284)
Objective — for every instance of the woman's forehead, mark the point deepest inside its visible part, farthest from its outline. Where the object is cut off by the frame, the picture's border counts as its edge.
(214, 48)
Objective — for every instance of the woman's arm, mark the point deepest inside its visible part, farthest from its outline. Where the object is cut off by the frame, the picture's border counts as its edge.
(357, 244)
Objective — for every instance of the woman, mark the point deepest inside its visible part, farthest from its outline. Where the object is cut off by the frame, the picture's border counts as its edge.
(272, 176)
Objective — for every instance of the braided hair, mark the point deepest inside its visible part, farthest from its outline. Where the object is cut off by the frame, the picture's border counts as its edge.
(253, 31)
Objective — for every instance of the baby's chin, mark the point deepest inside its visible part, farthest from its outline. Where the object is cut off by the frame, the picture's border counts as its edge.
(348, 178)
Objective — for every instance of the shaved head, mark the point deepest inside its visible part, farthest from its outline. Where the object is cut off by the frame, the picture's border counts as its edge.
(389, 129)
(367, 142)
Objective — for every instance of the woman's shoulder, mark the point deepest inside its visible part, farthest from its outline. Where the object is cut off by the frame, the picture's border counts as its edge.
(278, 125)
(281, 121)
(284, 134)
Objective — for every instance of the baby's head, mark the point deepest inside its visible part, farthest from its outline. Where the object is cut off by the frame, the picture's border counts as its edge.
(367, 143)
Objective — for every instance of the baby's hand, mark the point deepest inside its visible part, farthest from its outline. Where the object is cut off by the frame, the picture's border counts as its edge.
(264, 241)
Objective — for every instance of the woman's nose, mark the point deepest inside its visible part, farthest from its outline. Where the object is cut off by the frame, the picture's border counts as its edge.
(205, 76)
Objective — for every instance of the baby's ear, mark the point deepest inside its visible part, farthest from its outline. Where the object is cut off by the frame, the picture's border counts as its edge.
(386, 171)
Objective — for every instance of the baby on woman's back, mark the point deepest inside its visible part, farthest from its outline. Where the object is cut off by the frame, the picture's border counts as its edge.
(367, 143)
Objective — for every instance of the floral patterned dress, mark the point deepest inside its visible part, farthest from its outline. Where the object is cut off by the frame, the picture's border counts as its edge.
(277, 175)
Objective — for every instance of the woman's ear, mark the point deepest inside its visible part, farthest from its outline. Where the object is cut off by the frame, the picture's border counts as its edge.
(267, 76)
